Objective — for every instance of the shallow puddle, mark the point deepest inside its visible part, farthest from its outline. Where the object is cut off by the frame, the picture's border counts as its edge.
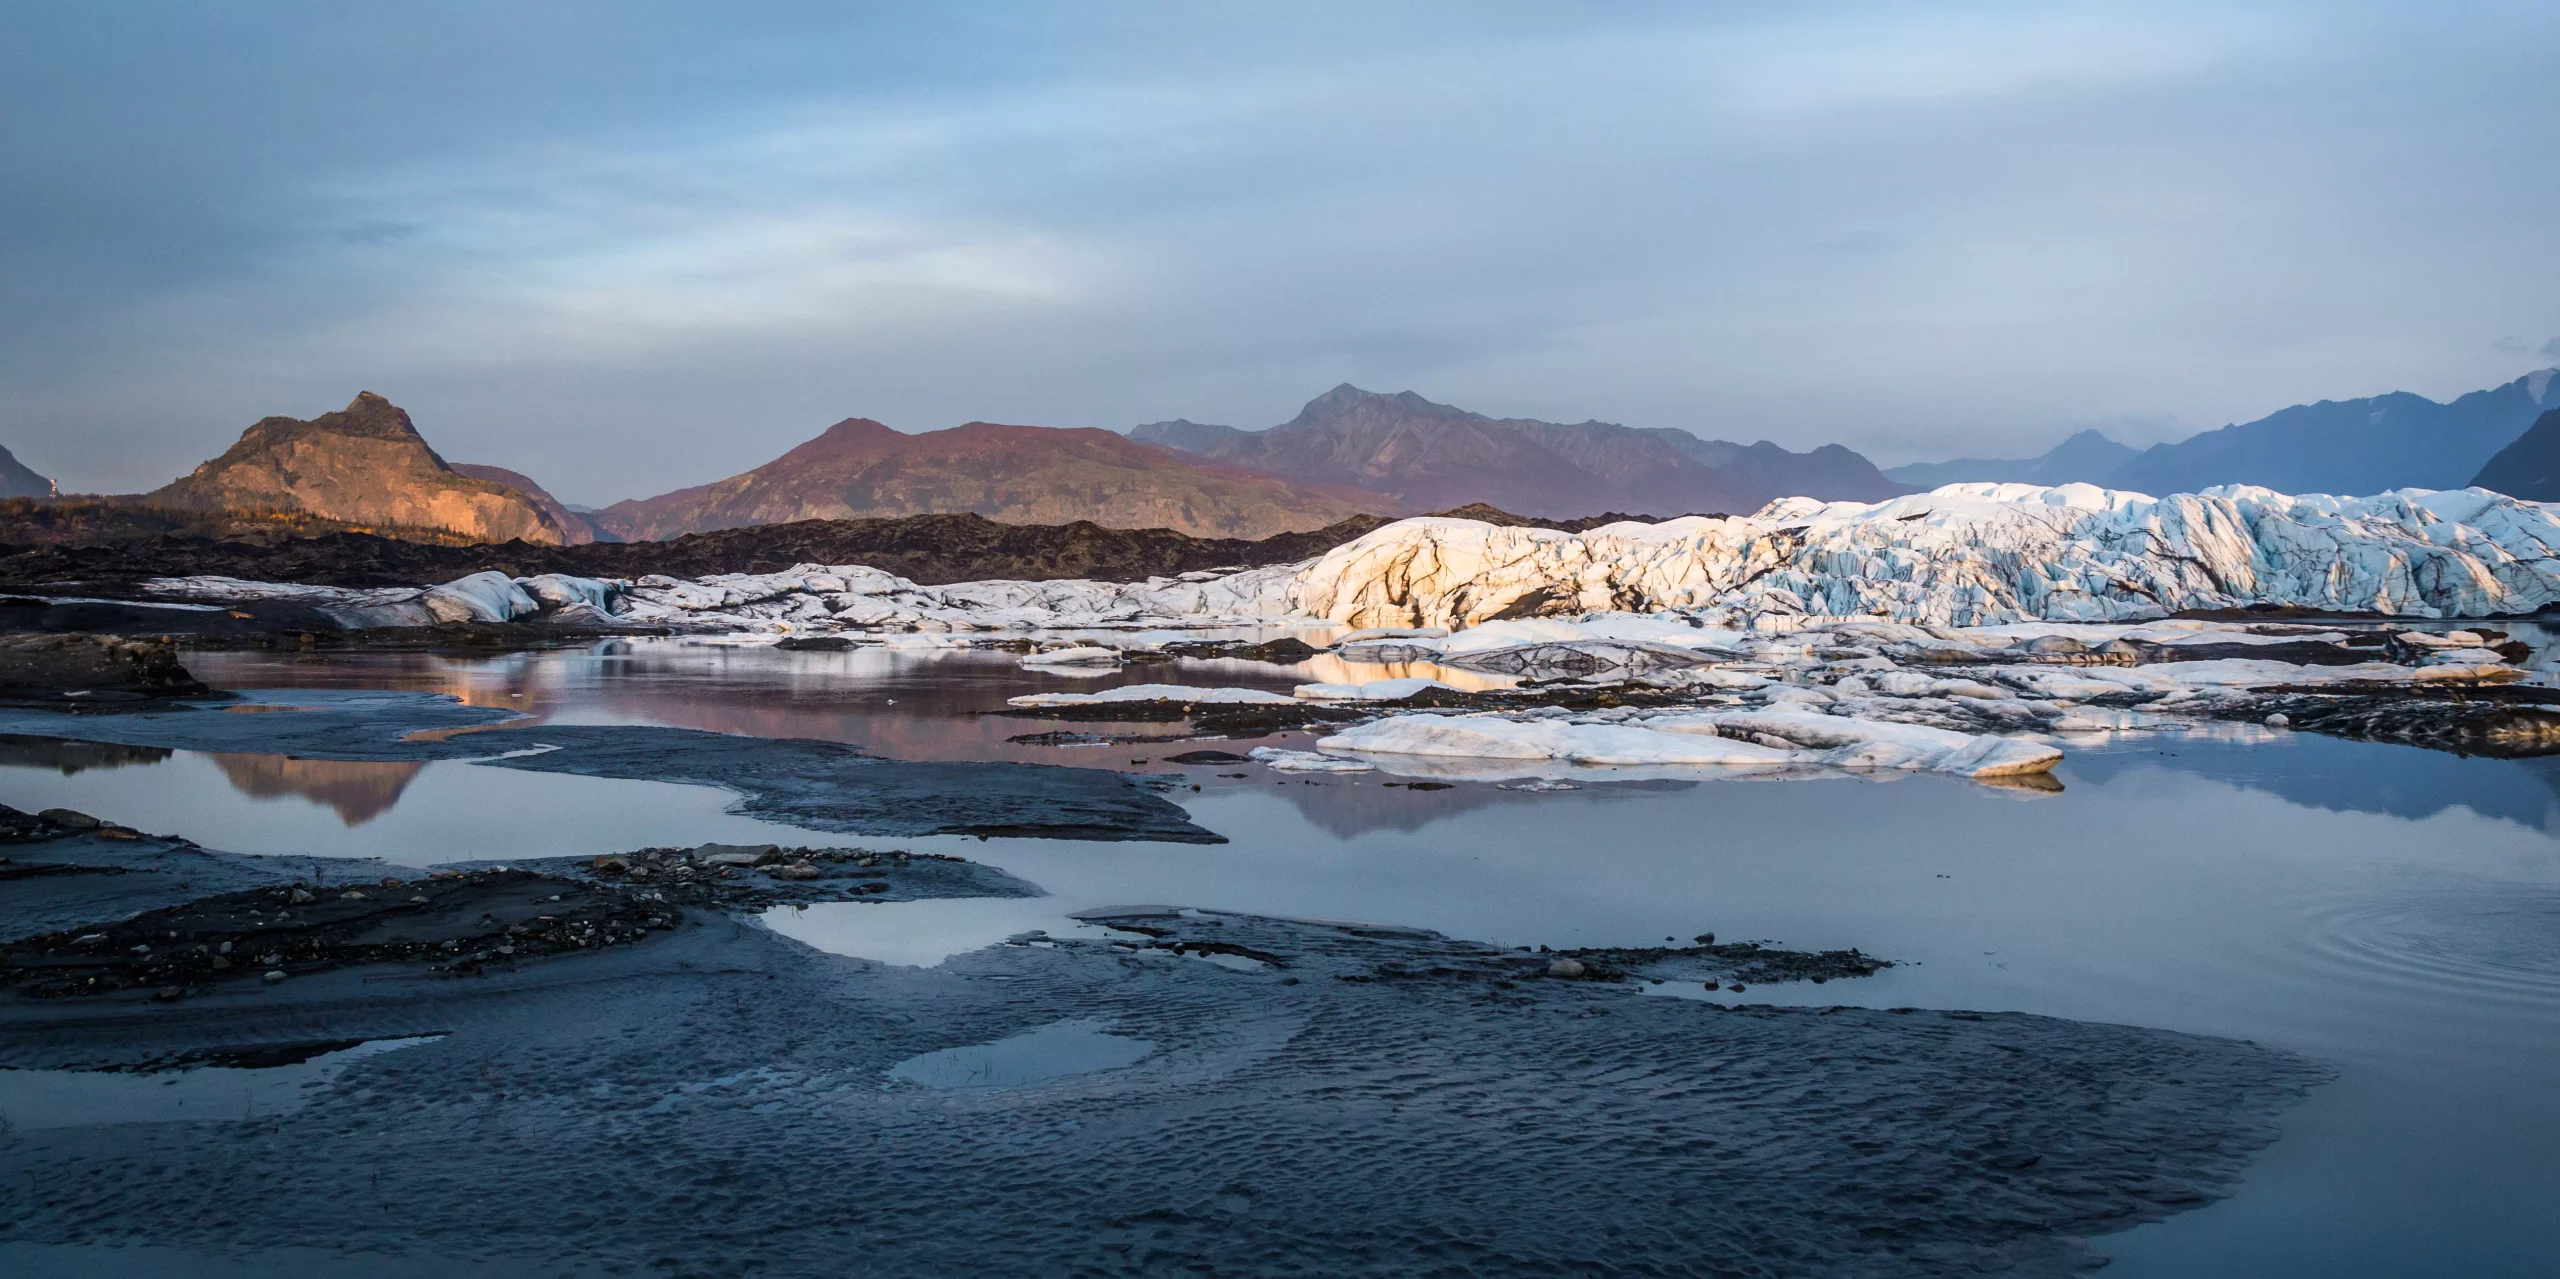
(922, 934)
(415, 814)
(1054, 1051)
(37, 1099)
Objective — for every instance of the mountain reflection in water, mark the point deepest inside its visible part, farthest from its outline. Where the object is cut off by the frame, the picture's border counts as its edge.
(940, 704)
(359, 790)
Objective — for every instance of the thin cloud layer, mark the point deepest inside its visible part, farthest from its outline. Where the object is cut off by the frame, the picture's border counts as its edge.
(626, 248)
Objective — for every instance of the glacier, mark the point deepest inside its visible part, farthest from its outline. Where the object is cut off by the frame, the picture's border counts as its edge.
(1965, 630)
(1965, 555)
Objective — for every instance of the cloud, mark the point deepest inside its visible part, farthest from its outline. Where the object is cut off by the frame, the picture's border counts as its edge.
(377, 231)
(1941, 233)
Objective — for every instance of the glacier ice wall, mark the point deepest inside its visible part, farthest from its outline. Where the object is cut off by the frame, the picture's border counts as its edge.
(1967, 555)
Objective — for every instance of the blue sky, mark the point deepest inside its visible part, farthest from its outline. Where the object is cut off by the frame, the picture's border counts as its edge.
(631, 246)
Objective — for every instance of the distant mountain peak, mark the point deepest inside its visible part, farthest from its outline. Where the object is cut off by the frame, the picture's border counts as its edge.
(1346, 400)
(2528, 467)
(1433, 456)
(365, 465)
(18, 481)
(2398, 439)
(859, 468)
(2395, 440)
(2086, 456)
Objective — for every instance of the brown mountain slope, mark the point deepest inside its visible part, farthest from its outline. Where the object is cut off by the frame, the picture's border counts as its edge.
(1017, 474)
(579, 530)
(365, 465)
(1430, 455)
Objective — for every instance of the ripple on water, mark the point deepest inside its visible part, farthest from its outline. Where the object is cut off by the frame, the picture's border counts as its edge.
(2502, 944)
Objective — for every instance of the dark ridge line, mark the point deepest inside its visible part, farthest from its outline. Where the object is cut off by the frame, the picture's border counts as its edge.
(930, 549)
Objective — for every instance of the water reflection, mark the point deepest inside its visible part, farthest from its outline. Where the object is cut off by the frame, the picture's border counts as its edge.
(358, 790)
(31, 1100)
(941, 704)
(2390, 910)
(2332, 775)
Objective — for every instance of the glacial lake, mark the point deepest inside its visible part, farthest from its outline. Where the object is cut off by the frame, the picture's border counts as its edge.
(2392, 912)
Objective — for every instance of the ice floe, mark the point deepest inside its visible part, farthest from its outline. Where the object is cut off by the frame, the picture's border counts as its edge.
(1289, 761)
(1177, 693)
(1750, 739)
(826, 598)
(1078, 655)
(1376, 690)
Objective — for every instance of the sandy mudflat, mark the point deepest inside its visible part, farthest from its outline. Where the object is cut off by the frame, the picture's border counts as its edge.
(1356, 1100)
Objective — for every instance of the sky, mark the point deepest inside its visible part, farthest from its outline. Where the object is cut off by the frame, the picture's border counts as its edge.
(628, 246)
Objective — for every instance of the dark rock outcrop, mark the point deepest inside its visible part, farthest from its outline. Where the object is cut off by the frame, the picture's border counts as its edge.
(91, 667)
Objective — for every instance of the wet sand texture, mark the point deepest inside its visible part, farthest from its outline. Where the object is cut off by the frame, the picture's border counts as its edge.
(820, 785)
(720, 1102)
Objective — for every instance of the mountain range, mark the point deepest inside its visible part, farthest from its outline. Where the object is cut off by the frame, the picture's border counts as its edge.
(2369, 445)
(2086, 458)
(1427, 456)
(860, 469)
(1349, 453)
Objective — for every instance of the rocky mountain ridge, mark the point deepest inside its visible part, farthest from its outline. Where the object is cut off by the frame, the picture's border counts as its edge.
(2088, 457)
(2344, 447)
(365, 464)
(861, 469)
(2529, 468)
(576, 527)
(1427, 455)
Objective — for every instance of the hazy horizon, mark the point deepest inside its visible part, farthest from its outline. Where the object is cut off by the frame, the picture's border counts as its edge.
(628, 248)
